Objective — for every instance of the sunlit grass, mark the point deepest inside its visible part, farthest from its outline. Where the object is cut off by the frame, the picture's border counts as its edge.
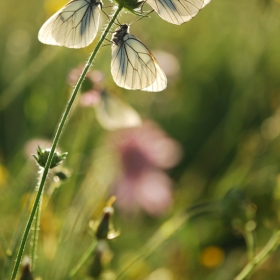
(221, 106)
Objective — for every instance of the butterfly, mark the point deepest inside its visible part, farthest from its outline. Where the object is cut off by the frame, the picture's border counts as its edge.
(112, 113)
(73, 26)
(133, 66)
(177, 11)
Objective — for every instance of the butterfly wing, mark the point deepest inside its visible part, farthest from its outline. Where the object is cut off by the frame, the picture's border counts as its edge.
(113, 113)
(160, 82)
(134, 67)
(73, 26)
(177, 11)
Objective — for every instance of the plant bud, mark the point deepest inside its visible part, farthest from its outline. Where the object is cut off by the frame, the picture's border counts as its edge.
(104, 226)
(42, 157)
(130, 5)
(26, 272)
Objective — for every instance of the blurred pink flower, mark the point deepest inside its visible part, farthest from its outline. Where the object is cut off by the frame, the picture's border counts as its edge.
(168, 62)
(96, 77)
(143, 152)
(91, 87)
(111, 111)
(90, 98)
(31, 146)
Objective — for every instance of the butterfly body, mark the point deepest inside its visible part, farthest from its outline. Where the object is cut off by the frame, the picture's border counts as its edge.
(118, 37)
(133, 66)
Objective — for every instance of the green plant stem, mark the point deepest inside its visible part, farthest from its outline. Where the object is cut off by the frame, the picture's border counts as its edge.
(15, 241)
(7, 252)
(165, 231)
(83, 259)
(3, 242)
(36, 227)
(271, 245)
(55, 142)
(251, 244)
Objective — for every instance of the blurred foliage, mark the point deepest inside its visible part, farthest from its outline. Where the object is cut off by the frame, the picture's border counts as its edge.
(223, 106)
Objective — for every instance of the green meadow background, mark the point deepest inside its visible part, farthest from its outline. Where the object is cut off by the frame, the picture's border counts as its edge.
(222, 106)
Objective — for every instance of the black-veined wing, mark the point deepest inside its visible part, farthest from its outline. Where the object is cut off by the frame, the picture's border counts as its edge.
(133, 66)
(73, 26)
(177, 11)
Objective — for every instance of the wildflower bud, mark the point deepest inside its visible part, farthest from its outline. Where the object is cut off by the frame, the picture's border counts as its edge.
(131, 5)
(61, 175)
(103, 228)
(26, 272)
(42, 157)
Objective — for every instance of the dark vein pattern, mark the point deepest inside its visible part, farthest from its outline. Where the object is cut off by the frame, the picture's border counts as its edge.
(177, 11)
(73, 26)
(133, 66)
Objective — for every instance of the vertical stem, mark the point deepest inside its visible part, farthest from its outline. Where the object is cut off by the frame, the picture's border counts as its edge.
(35, 235)
(36, 225)
(166, 230)
(7, 252)
(83, 259)
(251, 244)
(3, 242)
(55, 142)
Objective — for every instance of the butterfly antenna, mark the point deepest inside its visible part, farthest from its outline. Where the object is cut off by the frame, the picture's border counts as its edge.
(106, 45)
(109, 40)
(118, 22)
(109, 44)
(108, 7)
(141, 17)
(142, 5)
(106, 15)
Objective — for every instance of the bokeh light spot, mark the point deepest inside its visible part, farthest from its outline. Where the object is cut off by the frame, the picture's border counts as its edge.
(3, 175)
(212, 256)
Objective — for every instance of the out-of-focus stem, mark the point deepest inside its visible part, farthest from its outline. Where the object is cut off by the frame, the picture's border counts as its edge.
(271, 245)
(251, 244)
(162, 234)
(35, 236)
(55, 142)
(83, 259)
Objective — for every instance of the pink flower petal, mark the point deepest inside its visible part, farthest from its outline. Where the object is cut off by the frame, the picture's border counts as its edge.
(153, 192)
(124, 191)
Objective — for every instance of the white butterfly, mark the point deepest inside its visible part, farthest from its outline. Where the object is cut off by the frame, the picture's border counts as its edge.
(73, 26)
(113, 113)
(133, 66)
(177, 11)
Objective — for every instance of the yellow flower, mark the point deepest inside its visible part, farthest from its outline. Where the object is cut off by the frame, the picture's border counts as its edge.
(212, 256)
